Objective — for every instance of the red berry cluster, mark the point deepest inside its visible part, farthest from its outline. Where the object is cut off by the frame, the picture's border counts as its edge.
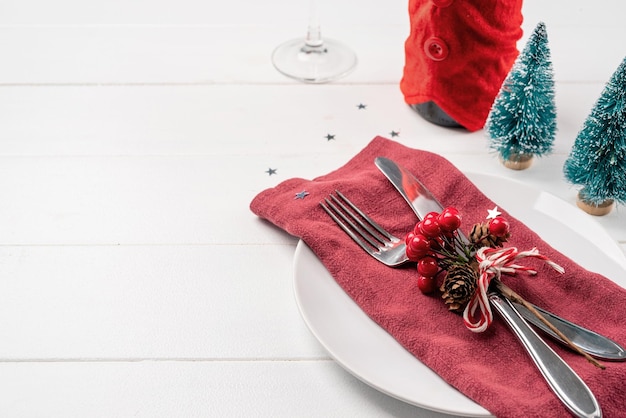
(424, 245)
(434, 244)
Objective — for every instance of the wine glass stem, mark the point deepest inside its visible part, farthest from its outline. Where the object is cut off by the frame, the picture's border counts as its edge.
(314, 34)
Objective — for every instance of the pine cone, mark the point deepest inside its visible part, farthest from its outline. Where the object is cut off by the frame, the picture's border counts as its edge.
(481, 237)
(459, 286)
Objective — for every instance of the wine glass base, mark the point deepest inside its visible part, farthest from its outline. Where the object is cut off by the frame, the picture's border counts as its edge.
(329, 61)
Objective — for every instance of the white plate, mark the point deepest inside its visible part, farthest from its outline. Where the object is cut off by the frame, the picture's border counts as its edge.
(372, 355)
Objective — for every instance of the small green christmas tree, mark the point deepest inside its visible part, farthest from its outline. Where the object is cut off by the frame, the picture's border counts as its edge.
(597, 160)
(522, 120)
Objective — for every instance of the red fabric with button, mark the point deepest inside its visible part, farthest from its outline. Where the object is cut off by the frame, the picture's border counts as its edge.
(458, 54)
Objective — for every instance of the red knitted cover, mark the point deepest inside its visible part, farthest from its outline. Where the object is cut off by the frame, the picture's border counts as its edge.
(458, 54)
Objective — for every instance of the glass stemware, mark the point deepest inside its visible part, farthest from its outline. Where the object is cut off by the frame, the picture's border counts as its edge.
(314, 59)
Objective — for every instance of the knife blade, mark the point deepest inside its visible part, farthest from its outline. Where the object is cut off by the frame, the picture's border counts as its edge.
(422, 201)
(569, 388)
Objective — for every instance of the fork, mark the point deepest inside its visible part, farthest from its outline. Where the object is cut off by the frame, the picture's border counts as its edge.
(374, 239)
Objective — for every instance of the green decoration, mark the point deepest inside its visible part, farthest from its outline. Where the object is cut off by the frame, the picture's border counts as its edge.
(522, 120)
(597, 160)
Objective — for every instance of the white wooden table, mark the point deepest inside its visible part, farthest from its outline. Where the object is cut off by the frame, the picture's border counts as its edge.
(134, 280)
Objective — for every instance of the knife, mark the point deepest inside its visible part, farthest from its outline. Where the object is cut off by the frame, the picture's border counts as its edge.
(564, 382)
(422, 202)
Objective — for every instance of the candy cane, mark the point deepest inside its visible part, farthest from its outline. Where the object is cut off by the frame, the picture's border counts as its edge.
(492, 262)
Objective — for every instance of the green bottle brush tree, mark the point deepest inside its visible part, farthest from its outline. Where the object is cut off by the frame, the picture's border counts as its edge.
(597, 161)
(522, 120)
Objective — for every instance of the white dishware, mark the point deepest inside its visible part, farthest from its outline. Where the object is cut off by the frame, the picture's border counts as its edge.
(371, 354)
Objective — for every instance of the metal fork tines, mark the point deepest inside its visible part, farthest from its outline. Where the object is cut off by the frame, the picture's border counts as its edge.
(370, 236)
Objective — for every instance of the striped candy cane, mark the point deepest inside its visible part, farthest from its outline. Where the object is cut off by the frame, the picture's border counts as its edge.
(492, 263)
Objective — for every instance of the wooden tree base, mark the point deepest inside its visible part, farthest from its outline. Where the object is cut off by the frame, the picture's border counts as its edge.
(595, 210)
(518, 161)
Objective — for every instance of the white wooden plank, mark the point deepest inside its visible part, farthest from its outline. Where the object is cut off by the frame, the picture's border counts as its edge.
(197, 54)
(192, 389)
(167, 200)
(158, 302)
(276, 12)
(175, 54)
(124, 172)
(217, 119)
(135, 201)
(198, 12)
(246, 120)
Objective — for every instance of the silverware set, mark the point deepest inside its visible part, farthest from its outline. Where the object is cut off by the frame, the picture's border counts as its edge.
(391, 251)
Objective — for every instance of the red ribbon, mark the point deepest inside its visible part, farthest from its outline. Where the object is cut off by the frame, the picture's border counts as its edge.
(492, 263)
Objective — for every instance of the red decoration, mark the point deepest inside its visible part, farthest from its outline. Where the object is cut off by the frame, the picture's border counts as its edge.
(426, 284)
(428, 266)
(449, 219)
(499, 226)
(470, 263)
(458, 53)
(492, 263)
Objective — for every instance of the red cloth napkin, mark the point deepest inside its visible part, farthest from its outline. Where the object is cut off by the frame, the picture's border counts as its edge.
(491, 368)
